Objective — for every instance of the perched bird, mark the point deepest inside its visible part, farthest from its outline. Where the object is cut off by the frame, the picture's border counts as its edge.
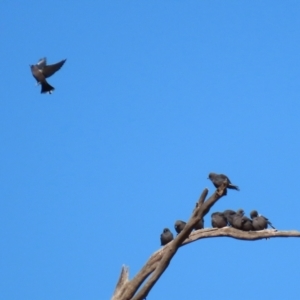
(259, 222)
(166, 237)
(41, 71)
(247, 224)
(235, 219)
(179, 225)
(219, 179)
(199, 225)
(218, 220)
(227, 213)
(240, 212)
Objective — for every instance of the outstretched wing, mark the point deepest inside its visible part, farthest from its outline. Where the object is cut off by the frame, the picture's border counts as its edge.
(51, 69)
(41, 63)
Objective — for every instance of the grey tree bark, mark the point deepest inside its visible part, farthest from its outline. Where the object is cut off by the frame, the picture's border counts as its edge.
(158, 262)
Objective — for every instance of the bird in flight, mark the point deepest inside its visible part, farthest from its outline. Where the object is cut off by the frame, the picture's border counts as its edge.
(41, 71)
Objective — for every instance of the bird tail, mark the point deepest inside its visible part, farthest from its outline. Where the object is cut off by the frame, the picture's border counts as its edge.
(46, 87)
(234, 187)
(271, 225)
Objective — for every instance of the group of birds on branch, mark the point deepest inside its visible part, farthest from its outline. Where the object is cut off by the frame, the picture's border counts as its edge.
(235, 219)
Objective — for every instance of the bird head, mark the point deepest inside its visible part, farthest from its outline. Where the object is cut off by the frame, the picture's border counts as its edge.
(210, 176)
(240, 212)
(253, 214)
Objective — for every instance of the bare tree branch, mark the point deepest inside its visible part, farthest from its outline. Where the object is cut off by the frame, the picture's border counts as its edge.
(123, 279)
(201, 209)
(160, 260)
(238, 234)
(202, 197)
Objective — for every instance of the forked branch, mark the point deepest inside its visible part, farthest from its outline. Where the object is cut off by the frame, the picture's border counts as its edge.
(159, 261)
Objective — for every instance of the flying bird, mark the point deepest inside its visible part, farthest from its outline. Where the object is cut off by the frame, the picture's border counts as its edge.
(219, 179)
(166, 237)
(41, 71)
(179, 225)
(259, 222)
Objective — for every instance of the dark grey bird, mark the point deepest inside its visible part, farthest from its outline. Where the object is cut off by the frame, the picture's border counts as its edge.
(179, 225)
(166, 237)
(219, 179)
(227, 213)
(218, 220)
(240, 212)
(199, 225)
(235, 219)
(41, 71)
(247, 224)
(259, 222)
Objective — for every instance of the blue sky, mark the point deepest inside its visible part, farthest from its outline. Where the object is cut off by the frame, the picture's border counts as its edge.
(152, 98)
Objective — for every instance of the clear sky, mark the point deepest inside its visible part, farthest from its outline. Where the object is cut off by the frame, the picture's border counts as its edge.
(153, 96)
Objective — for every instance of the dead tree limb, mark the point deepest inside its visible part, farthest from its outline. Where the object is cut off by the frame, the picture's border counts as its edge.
(156, 265)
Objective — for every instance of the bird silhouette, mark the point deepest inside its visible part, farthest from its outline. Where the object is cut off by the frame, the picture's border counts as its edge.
(41, 71)
(259, 222)
(235, 219)
(247, 224)
(179, 225)
(166, 237)
(219, 179)
(218, 220)
(237, 222)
